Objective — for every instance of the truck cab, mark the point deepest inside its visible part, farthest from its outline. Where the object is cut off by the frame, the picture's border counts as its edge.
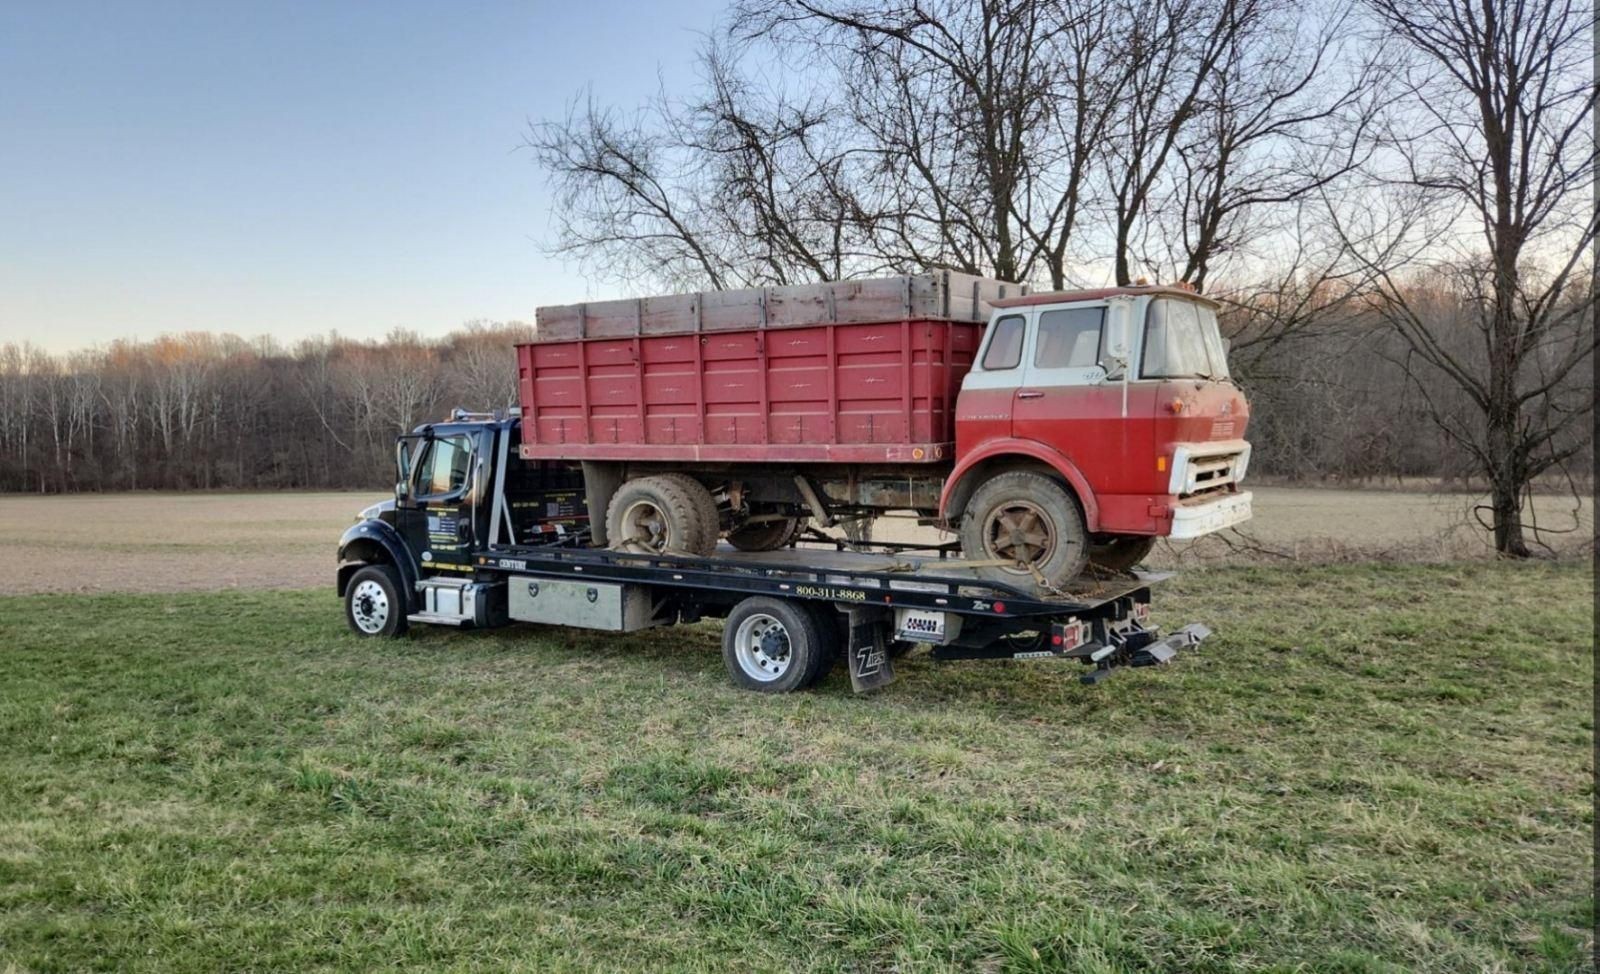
(1124, 394)
(459, 489)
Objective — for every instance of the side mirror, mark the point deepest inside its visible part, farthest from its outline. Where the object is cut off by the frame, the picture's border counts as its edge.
(400, 490)
(1118, 344)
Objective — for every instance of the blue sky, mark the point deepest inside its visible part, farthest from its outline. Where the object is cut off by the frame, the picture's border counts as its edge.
(296, 167)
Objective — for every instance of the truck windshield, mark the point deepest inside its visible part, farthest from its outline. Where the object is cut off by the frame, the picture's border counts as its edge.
(1181, 341)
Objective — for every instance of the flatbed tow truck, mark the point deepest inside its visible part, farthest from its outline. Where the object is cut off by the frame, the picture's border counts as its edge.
(476, 537)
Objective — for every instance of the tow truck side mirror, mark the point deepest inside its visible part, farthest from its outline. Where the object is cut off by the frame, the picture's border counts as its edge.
(400, 490)
(479, 483)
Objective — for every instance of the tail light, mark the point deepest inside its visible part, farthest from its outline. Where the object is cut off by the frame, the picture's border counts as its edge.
(1069, 635)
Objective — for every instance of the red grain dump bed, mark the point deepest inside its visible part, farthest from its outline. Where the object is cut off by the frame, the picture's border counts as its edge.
(855, 372)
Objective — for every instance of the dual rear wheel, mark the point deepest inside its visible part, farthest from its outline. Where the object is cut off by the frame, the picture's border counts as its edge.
(663, 512)
(673, 512)
(780, 645)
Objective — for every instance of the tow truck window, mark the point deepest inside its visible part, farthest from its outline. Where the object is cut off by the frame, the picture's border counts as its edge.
(1069, 338)
(1005, 345)
(1175, 342)
(442, 468)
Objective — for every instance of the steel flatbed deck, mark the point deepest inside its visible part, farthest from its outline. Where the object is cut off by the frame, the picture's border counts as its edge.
(903, 577)
(885, 591)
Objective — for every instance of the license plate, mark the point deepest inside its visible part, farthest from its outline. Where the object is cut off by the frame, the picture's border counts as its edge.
(921, 626)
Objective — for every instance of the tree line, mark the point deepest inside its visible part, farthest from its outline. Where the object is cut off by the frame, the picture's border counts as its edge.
(206, 411)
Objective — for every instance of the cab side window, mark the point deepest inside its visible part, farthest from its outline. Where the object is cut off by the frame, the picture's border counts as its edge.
(442, 468)
(1069, 338)
(1005, 345)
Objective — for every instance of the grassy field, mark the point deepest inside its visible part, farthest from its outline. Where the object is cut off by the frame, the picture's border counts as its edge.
(205, 542)
(1368, 769)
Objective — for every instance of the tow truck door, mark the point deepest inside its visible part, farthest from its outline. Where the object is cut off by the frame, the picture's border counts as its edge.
(436, 511)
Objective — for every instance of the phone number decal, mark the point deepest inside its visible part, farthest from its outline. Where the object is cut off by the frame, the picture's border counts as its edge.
(840, 594)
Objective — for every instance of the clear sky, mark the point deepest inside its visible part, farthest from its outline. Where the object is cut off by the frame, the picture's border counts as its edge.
(288, 168)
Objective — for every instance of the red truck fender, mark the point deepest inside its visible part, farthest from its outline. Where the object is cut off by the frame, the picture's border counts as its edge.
(1012, 453)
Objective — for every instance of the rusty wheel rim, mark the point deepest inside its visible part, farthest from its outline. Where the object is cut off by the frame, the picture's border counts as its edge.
(645, 523)
(1019, 532)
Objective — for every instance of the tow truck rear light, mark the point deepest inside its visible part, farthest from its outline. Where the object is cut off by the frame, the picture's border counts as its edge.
(1069, 635)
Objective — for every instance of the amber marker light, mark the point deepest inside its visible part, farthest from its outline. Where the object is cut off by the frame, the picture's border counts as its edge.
(1175, 406)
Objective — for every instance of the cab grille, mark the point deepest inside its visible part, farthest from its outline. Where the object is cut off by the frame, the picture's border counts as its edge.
(1200, 468)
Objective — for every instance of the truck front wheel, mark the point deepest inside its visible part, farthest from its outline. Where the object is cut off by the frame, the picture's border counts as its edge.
(1025, 526)
(374, 603)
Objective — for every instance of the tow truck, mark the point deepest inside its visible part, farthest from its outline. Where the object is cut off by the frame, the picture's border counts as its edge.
(477, 537)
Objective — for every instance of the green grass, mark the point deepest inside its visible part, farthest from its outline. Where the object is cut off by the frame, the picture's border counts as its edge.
(1368, 769)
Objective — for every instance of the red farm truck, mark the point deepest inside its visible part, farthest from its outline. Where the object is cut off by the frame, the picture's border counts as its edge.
(1049, 431)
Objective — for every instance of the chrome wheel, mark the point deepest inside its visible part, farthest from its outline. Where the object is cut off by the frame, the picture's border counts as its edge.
(369, 607)
(1019, 532)
(762, 648)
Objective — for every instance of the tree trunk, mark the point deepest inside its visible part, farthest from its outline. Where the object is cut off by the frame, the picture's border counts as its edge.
(1507, 481)
(1507, 504)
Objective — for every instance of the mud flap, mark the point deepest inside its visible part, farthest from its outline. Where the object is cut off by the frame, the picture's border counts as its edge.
(870, 666)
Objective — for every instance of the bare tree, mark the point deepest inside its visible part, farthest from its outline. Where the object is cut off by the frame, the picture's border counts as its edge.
(480, 368)
(1285, 113)
(1497, 153)
(956, 101)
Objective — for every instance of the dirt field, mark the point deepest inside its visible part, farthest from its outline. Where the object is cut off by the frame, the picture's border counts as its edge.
(198, 542)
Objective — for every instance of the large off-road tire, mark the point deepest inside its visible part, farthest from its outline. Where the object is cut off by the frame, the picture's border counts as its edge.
(662, 512)
(764, 535)
(703, 500)
(1029, 520)
(375, 602)
(1120, 552)
(773, 645)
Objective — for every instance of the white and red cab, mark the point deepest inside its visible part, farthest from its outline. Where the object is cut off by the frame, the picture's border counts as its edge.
(1124, 392)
